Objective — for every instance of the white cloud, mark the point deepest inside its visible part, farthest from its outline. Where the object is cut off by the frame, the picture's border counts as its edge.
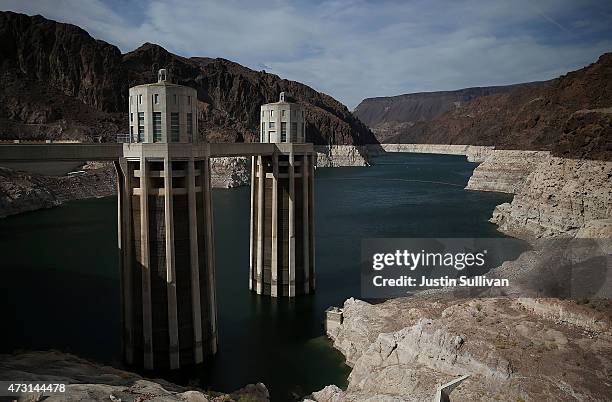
(354, 49)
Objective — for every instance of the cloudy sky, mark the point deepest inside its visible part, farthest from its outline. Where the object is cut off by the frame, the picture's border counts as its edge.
(354, 49)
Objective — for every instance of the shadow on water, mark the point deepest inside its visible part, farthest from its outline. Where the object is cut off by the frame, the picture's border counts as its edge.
(60, 285)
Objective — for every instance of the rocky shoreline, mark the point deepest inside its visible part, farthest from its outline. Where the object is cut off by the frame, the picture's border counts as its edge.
(89, 381)
(23, 192)
(513, 349)
(553, 197)
(474, 153)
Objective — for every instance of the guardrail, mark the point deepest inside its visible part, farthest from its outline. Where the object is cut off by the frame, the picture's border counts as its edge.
(40, 142)
(124, 138)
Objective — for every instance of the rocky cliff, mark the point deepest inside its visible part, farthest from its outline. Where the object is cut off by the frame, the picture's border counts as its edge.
(342, 155)
(560, 197)
(553, 196)
(513, 349)
(56, 81)
(387, 116)
(569, 116)
(88, 381)
(505, 171)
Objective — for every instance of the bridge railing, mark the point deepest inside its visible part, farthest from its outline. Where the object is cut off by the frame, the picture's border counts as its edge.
(29, 141)
(124, 138)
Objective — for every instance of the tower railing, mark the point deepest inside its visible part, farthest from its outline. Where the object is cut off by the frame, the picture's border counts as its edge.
(124, 138)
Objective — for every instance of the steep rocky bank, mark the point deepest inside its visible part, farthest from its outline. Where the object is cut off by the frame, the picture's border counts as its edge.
(88, 381)
(342, 155)
(505, 171)
(560, 197)
(513, 349)
(553, 196)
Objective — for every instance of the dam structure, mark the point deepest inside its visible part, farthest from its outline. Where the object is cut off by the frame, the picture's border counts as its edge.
(282, 205)
(165, 220)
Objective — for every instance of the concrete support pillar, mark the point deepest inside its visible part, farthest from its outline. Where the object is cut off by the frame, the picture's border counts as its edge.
(210, 251)
(291, 233)
(170, 270)
(124, 198)
(274, 222)
(147, 317)
(196, 312)
(311, 217)
(305, 222)
(120, 247)
(177, 273)
(251, 223)
(260, 234)
(281, 224)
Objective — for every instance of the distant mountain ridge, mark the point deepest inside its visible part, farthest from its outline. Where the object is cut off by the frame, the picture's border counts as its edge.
(388, 115)
(570, 116)
(56, 81)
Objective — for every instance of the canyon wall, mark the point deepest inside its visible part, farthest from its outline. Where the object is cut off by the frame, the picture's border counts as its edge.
(553, 196)
(571, 116)
(389, 115)
(560, 197)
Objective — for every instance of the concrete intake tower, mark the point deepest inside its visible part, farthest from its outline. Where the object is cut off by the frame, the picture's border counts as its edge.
(165, 231)
(282, 205)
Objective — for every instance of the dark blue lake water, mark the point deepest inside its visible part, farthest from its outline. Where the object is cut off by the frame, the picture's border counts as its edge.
(60, 287)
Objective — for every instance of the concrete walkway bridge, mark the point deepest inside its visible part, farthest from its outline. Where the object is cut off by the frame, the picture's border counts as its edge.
(69, 152)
